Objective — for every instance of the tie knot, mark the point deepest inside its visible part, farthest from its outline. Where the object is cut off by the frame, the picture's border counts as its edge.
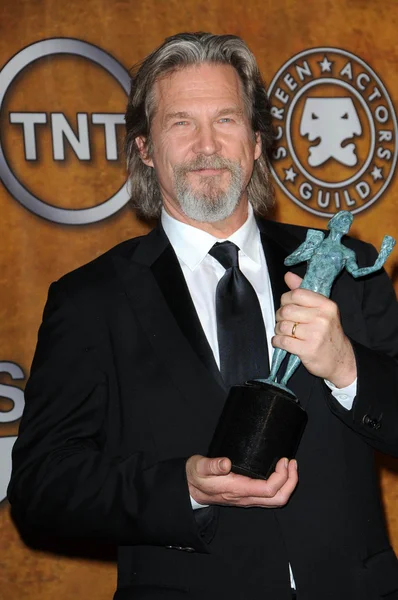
(226, 253)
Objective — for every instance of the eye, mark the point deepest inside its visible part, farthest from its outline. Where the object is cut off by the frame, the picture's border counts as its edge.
(314, 116)
(225, 120)
(181, 123)
(345, 116)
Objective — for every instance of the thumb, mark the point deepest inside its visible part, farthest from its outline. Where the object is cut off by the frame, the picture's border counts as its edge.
(292, 280)
(209, 467)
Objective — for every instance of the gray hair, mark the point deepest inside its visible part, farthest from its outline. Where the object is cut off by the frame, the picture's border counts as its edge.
(177, 52)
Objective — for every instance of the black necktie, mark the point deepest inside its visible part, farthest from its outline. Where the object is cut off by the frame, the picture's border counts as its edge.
(240, 327)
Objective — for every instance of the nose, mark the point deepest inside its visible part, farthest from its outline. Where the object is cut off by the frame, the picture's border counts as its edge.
(206, 140)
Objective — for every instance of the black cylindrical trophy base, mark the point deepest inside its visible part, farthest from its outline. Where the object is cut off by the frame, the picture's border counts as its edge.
(260, 424)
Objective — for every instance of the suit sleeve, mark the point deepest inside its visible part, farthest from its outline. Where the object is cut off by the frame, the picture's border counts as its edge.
(374, 413)
(64, 478)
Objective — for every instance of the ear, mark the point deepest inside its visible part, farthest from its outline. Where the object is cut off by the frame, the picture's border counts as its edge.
(143, 150)
(258, 147)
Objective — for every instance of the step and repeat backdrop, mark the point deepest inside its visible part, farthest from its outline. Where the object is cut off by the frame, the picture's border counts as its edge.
(332, 76)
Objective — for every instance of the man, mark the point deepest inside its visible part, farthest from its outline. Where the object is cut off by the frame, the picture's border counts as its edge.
(125, 389)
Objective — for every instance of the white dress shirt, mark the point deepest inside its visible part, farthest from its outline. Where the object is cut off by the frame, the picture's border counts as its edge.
(202, 273)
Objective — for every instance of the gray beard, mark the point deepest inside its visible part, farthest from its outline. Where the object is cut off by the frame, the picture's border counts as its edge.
(211, 204)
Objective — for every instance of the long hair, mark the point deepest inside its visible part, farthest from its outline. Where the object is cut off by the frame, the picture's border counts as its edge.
(179, 51)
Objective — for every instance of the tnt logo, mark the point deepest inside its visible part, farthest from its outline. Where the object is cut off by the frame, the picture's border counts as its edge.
(61, 132)
(62, 107)
(335, 130)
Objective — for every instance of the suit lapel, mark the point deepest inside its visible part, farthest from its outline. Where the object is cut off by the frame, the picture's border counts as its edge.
(171, 281)
(159, 296)
(158, 293)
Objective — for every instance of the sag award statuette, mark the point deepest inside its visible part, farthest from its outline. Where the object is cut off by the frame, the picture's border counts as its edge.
(262, 420)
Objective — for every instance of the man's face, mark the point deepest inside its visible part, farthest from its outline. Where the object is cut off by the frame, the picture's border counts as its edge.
(203, 145)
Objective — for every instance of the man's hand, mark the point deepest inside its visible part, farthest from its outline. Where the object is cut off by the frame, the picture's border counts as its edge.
(211, 481)
(319, 341)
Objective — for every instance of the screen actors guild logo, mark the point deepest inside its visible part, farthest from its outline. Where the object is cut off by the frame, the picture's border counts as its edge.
(335, 130)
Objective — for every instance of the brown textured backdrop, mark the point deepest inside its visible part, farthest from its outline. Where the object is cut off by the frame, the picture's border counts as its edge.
(34, 252)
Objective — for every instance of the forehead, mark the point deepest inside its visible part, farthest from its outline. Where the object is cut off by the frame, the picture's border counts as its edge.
(199, 85)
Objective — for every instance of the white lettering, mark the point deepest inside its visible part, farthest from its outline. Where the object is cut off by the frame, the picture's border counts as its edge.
(347, 70)
(376, 94)
(279, 133)
(282, 96)
(279, 152)
(381, 114)
(384, 153)
(290, 82)
(305, 190)
(365, 77)
(349, 201)
(80, 142)
(304, 70)
(363, 189)
(29, 122)
(12, 393)
(385, 136)
(109, 121)
(277, 112)
(323, 199)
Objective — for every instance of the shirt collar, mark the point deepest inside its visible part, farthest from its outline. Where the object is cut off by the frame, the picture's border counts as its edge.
(191, 244)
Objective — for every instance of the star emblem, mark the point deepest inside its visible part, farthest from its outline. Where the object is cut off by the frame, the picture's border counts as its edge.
(377, 173)
(290, 174)
(326, 65)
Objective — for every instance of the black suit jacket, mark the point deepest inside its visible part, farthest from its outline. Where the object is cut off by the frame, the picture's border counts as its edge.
(124, 388)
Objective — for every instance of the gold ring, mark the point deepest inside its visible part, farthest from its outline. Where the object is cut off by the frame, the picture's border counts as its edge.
(294, 329)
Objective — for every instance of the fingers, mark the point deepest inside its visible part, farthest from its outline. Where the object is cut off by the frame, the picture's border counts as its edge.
(202, 477)
(277, 479)
(308, 325)
(280, 486)
(240, 488)
(303, 297)
(305, 307)
(295, 327)
(289, 486)
(284, 493)
(292, 280)
(211, 482)
(201, 466)
(209, 467)
(298, 295)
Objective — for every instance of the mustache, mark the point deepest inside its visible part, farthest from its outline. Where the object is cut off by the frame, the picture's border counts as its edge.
(206, 162)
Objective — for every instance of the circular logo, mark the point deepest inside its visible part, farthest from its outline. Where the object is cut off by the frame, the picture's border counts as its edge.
(335, 130)
(9, 73)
